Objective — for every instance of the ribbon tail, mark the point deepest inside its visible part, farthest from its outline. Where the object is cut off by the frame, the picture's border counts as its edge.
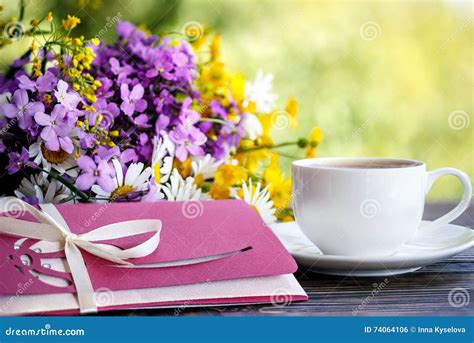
(23, 228)
(96, 250)
(82, 281)
(141, 250)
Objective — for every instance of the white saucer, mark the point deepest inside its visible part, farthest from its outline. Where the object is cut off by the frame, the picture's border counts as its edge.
(429, 246)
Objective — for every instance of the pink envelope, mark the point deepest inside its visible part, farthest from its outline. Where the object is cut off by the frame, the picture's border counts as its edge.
(214, 227)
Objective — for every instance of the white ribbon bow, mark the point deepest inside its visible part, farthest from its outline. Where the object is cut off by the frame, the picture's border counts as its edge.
(53, 228)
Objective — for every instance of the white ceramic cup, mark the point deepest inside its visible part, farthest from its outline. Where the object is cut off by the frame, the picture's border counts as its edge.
(365, 206)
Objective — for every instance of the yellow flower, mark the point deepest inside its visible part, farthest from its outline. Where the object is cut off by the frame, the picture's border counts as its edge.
(90, 108)
(267, 123)
(95, 41)
(144, 29)
(254, 160)
(36, 66)
(49, 17)
(230, 175)
(273, 173)
(280, 193)
(219, 192)
(315, 137)
(292, 110)
(71, 22)
(237, 87)
(184, 168)
(278, 186)
(215, 47)
(34, 45)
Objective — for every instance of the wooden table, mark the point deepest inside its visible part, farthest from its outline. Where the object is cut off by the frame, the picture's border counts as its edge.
(424, 292)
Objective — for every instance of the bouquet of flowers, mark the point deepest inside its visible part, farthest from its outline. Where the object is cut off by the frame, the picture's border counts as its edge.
(146, 118)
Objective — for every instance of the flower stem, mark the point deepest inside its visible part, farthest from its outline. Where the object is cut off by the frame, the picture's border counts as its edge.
(272, 146)
(68, 184)
(216, 120)
(22, 10)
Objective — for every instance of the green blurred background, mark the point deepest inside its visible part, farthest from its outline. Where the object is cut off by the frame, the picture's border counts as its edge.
(381, 78)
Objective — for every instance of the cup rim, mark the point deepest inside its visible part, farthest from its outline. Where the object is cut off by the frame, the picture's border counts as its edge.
(329, 163)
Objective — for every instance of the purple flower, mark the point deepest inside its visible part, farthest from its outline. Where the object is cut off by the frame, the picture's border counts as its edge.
(163, 102)
(65, 98)
(141, 121)
(161, 123)
(86, 140)
(132, 101)
(22, 109)
(16, 161)
(180, 59)
(218, 109)
(44, 83)
(99, 173)
(109, 112)
(121, 72)
(106, 153)
(20, 62)
(187, 143)
(106, 90)
(32, 200)
(26, 83)
(161, 67)
(188, 116)
(128, 155)
(56, 129)
(127, 30)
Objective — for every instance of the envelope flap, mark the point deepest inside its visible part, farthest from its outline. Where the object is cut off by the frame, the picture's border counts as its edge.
(189, 230)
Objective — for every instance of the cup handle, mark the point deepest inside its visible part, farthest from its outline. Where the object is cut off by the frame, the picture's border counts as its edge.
(466, 196)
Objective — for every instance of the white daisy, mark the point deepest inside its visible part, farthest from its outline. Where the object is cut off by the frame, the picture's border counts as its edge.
(45, 191)
(60, 161)
(252, 126)
(259, 200)
(162, 158)
(204, 168)
(136, 179)
(260, 91)
(178, 189)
